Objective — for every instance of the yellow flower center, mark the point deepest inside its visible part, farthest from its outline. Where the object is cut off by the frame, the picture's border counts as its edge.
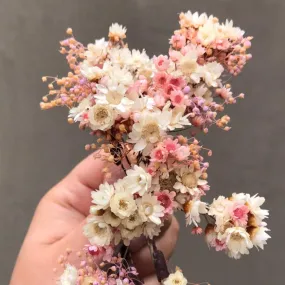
(189, 180)
(99, 230)
(100, 114)
(150, 132)
(123, 205)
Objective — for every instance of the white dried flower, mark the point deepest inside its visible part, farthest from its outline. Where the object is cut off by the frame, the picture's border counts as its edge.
(97, 231)
(123, 204)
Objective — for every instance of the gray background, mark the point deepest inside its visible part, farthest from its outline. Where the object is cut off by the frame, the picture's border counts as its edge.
(38, 148)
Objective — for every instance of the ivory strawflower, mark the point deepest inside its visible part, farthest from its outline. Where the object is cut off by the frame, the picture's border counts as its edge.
(150, 209)
(176, 278)
(101, 198)
(101, 117)
(122, 204)
(97, 231)
(138, 180)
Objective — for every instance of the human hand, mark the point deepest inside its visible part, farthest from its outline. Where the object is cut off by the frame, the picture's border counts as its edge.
(57, 225)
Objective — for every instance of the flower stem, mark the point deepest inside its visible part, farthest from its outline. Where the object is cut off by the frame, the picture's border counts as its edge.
(158, 261)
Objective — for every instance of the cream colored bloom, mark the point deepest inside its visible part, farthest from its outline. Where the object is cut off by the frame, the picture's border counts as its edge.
(176, 278)
(91, 72)
(259, 237)
(97, 231)
(211, 72)
(228, 31)
(219, 209)
(149, 129)
(117, 31)
(190, 19)
(151, 230)
(254, 203)
(138, 180)
(69, 276)
(111, 219)
(128, 235)
(101, 117)
(178, 119)
(194, 209)
(207, 33)
(96, 52)
(238, 242)
(123, 204)
(150, 209)
(188, 63)
(101, 198)
(132, 221)
(114, 96)
(188, 180)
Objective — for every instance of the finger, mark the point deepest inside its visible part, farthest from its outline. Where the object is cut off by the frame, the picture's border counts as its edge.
(74, 190)
(151, 280)
(166, 243)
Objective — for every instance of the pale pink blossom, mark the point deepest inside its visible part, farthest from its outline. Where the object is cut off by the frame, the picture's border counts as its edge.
(159, 154)
(161, 62)
(177, 98)
(197, 231)
(178, 41)
(160, 79)
(182, 153)
(239, 214)
(174, 55)
(166, 199)
(171, 145)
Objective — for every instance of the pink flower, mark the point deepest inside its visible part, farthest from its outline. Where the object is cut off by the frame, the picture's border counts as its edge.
(182, 153)
(166, 199)
(159, 99)
(178, 41)
(219, 245)
(171, 145)
(168, 89)
(177, 97)
(174, 55)
(161, 62)
(159, 154)
(160, 79)
(196, 231)
(239, 214)
(179, 82)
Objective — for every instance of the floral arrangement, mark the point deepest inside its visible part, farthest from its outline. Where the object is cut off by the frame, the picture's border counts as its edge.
(135, 105)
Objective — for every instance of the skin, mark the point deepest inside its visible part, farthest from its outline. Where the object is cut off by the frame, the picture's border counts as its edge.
(57, 225)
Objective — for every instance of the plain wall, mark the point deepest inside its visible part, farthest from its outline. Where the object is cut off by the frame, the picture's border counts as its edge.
(38, 148)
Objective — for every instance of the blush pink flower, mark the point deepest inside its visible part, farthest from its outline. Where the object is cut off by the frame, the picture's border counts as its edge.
(178, 41)
(171, 145)
(179, 81)
(177, 98)
(168, 89)
(219, 245)
(160, 79)
(159, 154)
(196, 231)
(239, 214)
(182, 153)
(174, 55)
(161, 62)
(159, 98)
(166, 199)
